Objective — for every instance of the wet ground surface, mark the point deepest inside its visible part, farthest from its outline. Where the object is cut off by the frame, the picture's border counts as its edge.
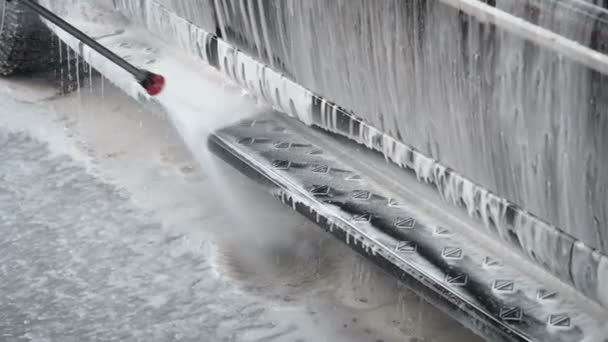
(115, 229)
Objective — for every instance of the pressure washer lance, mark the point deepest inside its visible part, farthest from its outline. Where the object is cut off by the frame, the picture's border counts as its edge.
(153, 83)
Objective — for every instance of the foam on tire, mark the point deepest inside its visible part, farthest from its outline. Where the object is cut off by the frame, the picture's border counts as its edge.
(25, 42)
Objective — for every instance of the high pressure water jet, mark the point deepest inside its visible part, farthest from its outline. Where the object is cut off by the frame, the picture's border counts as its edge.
(151, 82)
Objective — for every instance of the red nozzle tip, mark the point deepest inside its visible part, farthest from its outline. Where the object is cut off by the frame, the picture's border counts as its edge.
(153, 83)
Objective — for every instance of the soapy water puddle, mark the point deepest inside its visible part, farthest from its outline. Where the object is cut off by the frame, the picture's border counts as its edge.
(119, 227)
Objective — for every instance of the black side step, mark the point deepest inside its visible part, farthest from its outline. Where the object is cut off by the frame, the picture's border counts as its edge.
(474, 283)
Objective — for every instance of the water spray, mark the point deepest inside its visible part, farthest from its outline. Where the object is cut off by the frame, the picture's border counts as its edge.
(151, 82)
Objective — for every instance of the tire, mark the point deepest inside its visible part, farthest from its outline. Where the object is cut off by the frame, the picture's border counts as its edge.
(25, 42)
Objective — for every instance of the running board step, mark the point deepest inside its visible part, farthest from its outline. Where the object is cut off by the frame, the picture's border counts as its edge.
(500, 298)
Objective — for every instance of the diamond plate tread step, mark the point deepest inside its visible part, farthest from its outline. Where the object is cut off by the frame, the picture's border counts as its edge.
(467, 279)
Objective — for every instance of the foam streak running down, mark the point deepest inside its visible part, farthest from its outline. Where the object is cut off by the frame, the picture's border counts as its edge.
(522, 120)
